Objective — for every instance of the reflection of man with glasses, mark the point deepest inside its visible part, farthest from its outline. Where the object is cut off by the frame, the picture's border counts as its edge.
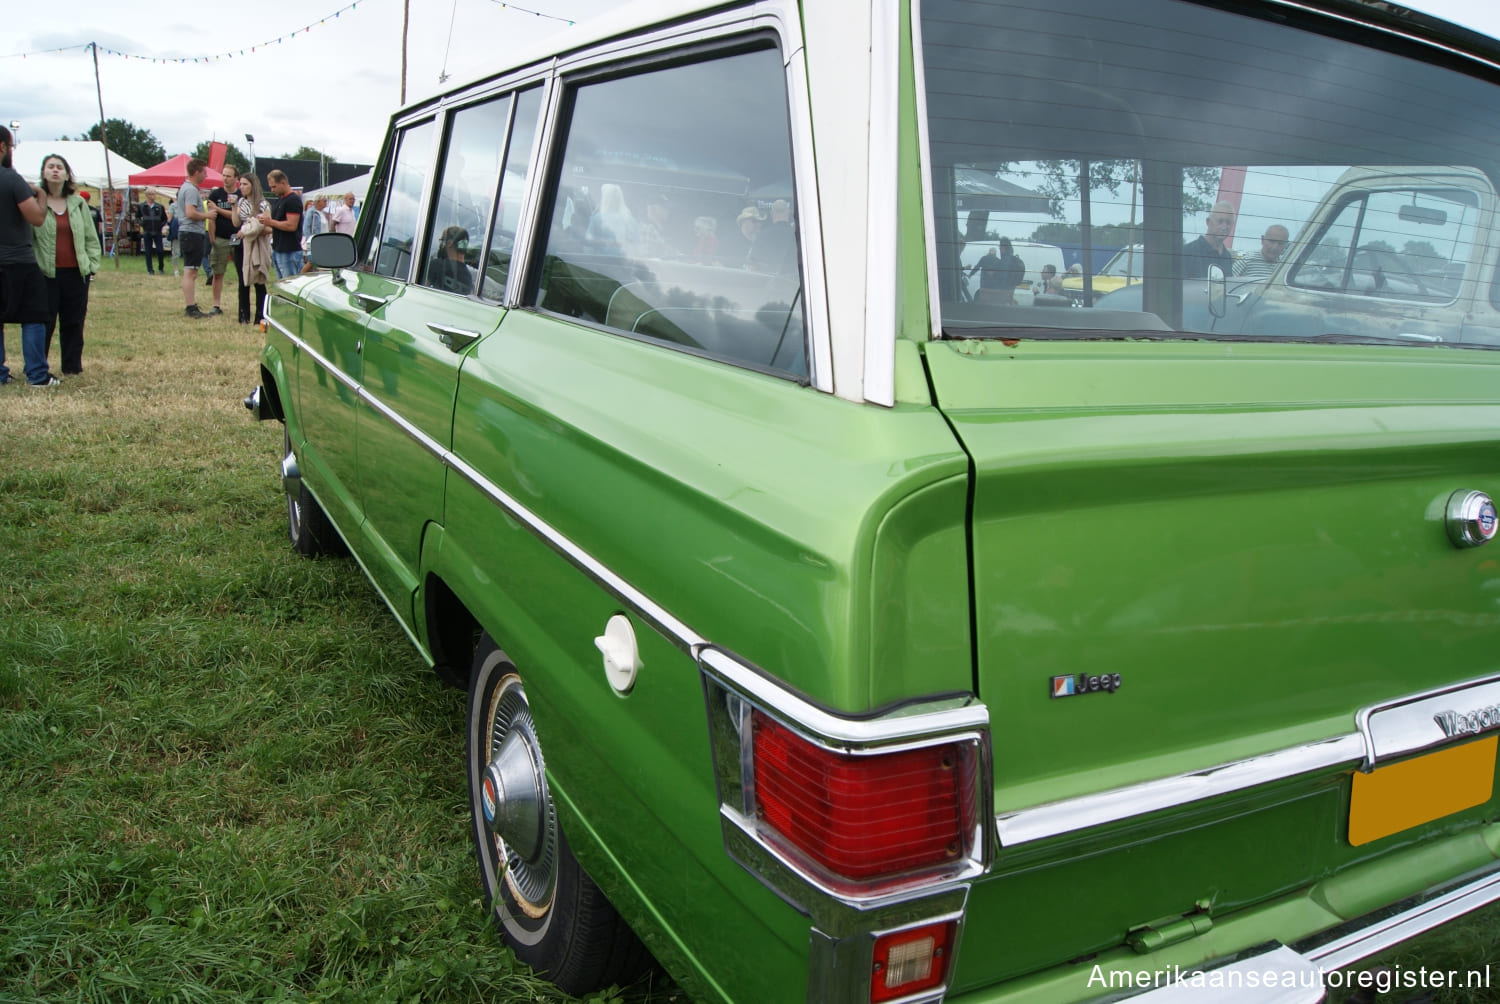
(448, 270)
(1262, 263)
(1198, 255)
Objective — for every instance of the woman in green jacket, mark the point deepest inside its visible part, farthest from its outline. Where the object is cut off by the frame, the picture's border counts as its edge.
(67, 250)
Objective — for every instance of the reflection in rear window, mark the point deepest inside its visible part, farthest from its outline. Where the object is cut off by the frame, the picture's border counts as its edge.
(1329, 189)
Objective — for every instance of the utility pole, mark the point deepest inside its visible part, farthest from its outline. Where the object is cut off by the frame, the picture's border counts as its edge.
(108, 176)
(405, 23)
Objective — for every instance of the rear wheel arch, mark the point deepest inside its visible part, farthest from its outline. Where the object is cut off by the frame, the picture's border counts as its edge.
(452, 631)
(272, 387)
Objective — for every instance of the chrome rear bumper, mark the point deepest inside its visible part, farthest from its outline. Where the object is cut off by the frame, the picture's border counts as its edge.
(1278, 973)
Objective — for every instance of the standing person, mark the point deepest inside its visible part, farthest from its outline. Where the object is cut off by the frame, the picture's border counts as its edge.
(1000, 272)
(68, 252)
(314, 223)
(1208, 250)
(255, 240)
(23, 288)
(341, 215)
(191, 233)
(225, 236)
(152, 218)
(285, 221)
(176, 245)
(98, 217)
(1262, 263)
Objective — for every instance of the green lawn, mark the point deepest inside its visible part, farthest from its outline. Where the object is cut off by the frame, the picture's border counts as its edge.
(224, 773)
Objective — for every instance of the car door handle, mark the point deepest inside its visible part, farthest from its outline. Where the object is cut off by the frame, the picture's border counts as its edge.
(456, 339)
(369, 303)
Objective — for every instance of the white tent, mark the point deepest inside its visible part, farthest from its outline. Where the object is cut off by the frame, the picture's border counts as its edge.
(358, 185)
(85, 157)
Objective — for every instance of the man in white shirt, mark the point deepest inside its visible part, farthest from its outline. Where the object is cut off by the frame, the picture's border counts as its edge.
(1262, 263)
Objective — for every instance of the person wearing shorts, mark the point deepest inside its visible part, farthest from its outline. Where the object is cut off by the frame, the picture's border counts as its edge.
(191, 233)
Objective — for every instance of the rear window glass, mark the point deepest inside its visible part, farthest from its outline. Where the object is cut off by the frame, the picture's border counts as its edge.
(1207, 174)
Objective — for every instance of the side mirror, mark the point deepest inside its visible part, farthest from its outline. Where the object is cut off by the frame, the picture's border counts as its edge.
(1218, 285)
(331, 250)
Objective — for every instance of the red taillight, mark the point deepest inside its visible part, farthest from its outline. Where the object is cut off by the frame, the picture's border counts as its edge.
(911, 961)
(866, 816)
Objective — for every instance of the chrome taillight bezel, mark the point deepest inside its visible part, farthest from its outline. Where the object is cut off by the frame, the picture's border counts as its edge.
(734, 690)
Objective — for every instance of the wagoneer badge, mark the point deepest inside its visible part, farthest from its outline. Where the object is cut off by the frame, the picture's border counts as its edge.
(1454, 723)
(1471, 518)
(1083, 683)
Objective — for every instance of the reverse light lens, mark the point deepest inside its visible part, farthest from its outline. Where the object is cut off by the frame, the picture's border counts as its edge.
(869, 816)
(908, 962)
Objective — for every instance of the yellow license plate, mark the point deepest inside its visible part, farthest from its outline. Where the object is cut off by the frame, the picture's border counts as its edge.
(1402, 795)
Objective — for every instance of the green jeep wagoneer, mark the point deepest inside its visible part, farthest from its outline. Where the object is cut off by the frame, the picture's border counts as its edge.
(830, 636)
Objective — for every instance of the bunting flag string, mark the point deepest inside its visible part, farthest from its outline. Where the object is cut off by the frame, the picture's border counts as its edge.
(251, 49)
(507, 5)
(247, 50)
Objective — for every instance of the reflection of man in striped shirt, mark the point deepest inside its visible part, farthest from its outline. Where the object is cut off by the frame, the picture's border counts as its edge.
(1262, 263)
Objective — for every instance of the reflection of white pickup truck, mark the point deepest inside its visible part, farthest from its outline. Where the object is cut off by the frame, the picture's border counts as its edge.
(1032, 255)
(1389, 253)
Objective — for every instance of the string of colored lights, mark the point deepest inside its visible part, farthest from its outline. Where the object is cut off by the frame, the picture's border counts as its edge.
(248, 50)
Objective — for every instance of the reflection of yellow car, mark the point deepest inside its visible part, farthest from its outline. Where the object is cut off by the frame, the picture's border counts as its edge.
(1124, 269)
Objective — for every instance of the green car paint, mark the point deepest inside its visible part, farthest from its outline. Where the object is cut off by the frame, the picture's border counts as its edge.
(1226, 549)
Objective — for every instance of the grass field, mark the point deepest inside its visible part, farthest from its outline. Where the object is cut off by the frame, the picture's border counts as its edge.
(224, 773)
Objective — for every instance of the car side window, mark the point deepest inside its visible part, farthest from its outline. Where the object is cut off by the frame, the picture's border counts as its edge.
(512, 186)
(1403, 245)
(673, 216)
(461, 206)
(390, 249)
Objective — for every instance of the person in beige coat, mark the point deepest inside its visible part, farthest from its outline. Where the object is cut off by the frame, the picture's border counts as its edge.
(255, 240)
(68, 252)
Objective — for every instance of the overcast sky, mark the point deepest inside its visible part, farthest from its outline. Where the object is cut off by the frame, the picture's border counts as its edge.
(332, 88)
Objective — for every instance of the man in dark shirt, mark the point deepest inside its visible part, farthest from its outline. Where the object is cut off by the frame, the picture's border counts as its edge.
(285, 220)
(1198, 255)
(23, 288)
(225, 233)
(999, 274)
(152, 217)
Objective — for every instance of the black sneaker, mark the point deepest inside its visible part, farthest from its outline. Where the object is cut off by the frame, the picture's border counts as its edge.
(215, 312)
(193, 311)
(51, 381)
(208, 278)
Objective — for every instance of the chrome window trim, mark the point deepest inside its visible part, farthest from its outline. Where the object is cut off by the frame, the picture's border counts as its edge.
(1023, 826)
(883, 195)
(924, 160)
(783, 19)
(1390, 30)
(526, 225)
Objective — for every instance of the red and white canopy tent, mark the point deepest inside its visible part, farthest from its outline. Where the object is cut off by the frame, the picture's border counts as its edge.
(171, 174)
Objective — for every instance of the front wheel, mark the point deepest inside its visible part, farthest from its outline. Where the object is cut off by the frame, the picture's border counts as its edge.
(551, 913)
